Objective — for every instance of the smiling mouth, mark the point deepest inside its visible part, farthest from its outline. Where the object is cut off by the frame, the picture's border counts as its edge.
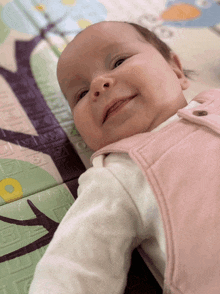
(116, 107)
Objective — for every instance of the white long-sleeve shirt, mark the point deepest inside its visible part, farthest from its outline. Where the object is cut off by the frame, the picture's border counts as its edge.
(114, 213)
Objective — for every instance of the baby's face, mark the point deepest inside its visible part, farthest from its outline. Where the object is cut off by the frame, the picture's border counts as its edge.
(117, 84)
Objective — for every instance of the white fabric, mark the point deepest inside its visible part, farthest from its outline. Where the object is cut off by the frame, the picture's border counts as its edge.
(114, 213)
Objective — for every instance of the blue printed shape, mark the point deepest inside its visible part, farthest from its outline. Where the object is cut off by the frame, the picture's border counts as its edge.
(30, 17)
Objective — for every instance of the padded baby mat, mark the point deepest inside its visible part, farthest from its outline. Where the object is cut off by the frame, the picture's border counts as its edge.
(41, 153)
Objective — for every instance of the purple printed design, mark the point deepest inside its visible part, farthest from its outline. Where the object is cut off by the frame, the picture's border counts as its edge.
(51, 139)
(40, 220)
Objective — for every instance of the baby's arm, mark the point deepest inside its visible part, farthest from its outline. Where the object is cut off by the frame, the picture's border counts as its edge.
(91, 249)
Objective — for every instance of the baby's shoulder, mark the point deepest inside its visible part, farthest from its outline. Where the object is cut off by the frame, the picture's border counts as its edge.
(119, 165)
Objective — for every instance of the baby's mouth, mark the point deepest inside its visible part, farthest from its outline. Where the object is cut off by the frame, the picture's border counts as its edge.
(116, 106)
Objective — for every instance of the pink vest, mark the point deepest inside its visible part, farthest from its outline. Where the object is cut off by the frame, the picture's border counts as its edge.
(182, 165)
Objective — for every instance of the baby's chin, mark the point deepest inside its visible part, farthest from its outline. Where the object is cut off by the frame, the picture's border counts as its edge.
(96, 147)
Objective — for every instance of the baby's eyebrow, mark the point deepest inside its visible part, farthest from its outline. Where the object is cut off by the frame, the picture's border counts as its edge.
(73, 82)
(115, 45)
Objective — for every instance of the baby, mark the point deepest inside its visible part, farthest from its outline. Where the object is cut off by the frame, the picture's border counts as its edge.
(111, 62)
(148, 185)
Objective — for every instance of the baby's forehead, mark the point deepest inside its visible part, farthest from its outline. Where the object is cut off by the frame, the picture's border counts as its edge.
(95, 40)
(106, 27)
(108, 32)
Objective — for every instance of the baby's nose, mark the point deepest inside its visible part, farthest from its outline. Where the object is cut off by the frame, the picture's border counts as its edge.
(103, 88)
(100, 85)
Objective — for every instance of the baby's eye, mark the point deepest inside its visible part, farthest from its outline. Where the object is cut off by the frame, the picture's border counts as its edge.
(81, 95)
(118, 62)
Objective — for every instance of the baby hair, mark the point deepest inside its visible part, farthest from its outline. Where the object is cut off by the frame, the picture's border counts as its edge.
(161, 46)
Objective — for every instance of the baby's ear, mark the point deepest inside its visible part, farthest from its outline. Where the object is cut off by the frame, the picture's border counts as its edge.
(176, 65)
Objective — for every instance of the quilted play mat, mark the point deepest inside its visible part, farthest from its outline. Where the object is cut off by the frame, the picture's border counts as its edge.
(41, 153)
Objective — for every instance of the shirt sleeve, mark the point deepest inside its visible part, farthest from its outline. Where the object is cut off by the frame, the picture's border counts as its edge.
(91, 249)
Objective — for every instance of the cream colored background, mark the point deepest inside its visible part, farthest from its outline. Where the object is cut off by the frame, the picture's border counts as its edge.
(198, 48)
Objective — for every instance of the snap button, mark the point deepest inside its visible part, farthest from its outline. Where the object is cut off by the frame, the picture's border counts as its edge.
(200, 112)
